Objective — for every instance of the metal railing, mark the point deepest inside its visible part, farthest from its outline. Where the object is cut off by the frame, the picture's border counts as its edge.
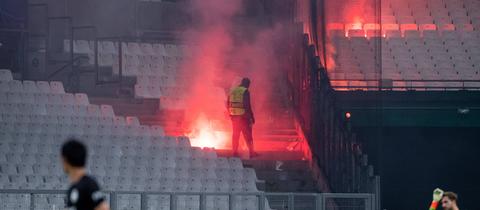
(375, 84)
(318, 201)
(334, 147)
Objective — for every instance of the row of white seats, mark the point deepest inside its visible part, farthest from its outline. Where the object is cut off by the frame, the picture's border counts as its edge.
(32, 87)
(165, 82)
(159, 90)
(82, 119)
(215, 202)
(428, 18)
(144, 70)
(114, 141)
(412, 32)
(171, 152)
(31, 108)
(438, 9)
(425, 42)
(39, 174)
(46, 99)
(415, 58)
(446, 39)
(130, 202)
(13, 164)
(130, 48)
(399, 72)
(84, 129)
(422, 62)
(24, 174)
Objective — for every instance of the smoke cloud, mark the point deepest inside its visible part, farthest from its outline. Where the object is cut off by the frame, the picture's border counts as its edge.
(227, 46)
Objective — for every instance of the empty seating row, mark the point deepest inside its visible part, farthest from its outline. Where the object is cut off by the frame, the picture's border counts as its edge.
(423, 11)
(398, 30)
(123, 155)
(130, 48)
(31, 86)
(157, 62)
(446, 56)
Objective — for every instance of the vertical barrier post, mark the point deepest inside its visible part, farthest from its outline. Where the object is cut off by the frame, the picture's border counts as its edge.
(261, 201)
(368, 203)
(173, 201)
(318, 202)
(291, 202)
(143, 201)
(113, 201)
(323, 201)
(32, 201)
(230, 201)
(203, 202)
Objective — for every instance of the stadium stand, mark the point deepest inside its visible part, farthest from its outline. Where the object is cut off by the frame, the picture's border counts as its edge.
(36, 117)
(418, 40)
(154, 66)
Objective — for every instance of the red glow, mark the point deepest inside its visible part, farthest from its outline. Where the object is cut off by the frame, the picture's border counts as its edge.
(357, 23)
(348, 115)
(204, 134)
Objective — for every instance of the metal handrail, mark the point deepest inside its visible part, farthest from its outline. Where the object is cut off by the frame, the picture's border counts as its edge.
(410, 84)
(132, 39)
(359, 87)
(65, 66)
(319, 198)
(403, 80)
(95, 43)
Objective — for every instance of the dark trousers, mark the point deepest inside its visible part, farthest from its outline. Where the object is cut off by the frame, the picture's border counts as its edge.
(243, 125)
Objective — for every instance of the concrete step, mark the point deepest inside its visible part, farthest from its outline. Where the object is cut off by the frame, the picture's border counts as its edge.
(284, 175)
(285, 131)
(287, 165)
(284, 138)
(265, 155)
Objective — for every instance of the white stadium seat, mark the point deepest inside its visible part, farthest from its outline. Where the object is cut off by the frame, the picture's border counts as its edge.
(43, 87)
(123, 154)
(81, 99)
(57, 87)
(5, 75)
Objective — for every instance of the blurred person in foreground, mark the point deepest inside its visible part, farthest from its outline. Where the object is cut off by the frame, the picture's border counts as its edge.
(84, 192)
(448, 200)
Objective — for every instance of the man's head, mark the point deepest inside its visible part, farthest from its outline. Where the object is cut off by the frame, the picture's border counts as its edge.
(74, 155)
(449, 201)
(245, 82)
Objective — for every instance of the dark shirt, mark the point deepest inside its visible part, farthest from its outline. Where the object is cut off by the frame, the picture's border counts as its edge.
(85, 194)
(247, 105)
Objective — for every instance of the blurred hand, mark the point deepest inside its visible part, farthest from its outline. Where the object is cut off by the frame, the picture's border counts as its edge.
(437, 194)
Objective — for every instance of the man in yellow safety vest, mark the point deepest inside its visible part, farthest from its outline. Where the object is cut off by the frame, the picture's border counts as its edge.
(240, 110)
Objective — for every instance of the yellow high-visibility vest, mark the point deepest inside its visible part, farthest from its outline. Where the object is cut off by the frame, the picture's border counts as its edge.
(235, 107)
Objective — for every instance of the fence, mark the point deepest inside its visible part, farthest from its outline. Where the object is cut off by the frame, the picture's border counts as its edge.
(278, 201)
